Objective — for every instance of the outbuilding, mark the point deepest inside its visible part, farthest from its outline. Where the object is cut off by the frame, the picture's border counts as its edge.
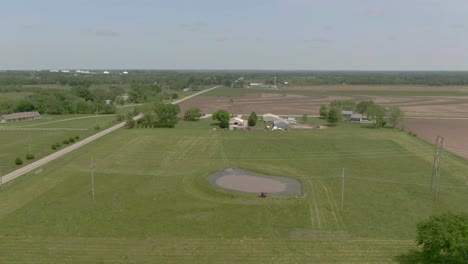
(283, 124)
(23, 116)
(356, 118)
(271, 118)
(237, 123)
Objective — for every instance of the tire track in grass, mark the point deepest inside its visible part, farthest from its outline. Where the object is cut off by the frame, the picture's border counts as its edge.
(426, 152)
(32, 190)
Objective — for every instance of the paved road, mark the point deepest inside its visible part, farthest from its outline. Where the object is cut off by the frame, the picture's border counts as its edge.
(35, 165)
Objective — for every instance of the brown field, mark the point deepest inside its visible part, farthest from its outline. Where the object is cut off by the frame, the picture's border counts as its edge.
(296, 104)
(377, 88)
(454, 131)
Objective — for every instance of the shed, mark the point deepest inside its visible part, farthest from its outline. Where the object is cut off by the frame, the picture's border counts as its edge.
(283, 124)
(346, 114)
(271, 118)
(20, 117)
(356, 118)
(291, 120)
(237, 123)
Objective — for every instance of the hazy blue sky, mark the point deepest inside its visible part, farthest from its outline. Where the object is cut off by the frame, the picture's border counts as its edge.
(235, 34)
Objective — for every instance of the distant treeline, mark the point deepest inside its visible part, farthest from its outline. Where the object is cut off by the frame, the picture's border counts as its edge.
(178, 80)
(167, 79)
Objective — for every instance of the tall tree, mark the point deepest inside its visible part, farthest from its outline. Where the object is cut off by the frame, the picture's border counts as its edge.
(166, 115)
(223, 117)
(395, 116)
(444, 237)
(334, 115)
(323, 111)
(363, 107)
(377, 114)
(253, 119)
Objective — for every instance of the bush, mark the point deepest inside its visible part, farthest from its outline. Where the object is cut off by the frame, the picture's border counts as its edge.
(130, 123)
(18, 161)
(97, 127)
(53, 147)
(29, 156)
(77, 137)
(66, 142)
(71, 140)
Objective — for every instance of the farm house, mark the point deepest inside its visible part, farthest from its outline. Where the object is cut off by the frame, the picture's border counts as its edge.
(23, 116)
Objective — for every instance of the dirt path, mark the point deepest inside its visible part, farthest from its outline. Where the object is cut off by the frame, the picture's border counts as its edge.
(30, 167)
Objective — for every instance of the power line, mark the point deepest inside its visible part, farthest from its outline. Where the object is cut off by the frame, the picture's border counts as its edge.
(436, 168)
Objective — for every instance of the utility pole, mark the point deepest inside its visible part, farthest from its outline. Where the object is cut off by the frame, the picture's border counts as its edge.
(1, 177)
(436, 168)
(29, 143)
(92, 177)
(342, 190)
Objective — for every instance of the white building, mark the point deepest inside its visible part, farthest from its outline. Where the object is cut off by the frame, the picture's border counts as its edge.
(271, 118)
(237, 123)
(106, 72)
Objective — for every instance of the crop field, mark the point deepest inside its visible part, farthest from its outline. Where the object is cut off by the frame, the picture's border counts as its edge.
(37, 136)
(441, 102)
(153, 203)
(454, 131)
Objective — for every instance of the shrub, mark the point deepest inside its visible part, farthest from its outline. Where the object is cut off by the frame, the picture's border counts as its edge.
(30, 156)
(53, 147)
(71, 140)
(97, 127)
(66, 142)
(77, 137)
(18, 161)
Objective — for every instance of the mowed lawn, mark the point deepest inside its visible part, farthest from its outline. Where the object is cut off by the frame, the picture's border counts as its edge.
(153, 203)
(37, 136)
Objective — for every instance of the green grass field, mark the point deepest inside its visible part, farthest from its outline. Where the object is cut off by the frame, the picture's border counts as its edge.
(154, 205)
(234, 92)
(17, 138)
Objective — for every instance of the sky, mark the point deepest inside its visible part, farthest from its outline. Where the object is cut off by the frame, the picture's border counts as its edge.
(234, 34)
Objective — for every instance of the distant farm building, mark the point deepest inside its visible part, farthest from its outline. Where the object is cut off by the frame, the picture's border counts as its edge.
(352, 117)
(237, 123)
(270, 117)
(347, 115)
(23, 116)
(281, 124)
(106, 72)
(356, 118)
(125, 72)
(291, 120)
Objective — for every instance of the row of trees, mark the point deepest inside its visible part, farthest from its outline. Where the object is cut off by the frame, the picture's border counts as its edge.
(379, 115)
(178, 80)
